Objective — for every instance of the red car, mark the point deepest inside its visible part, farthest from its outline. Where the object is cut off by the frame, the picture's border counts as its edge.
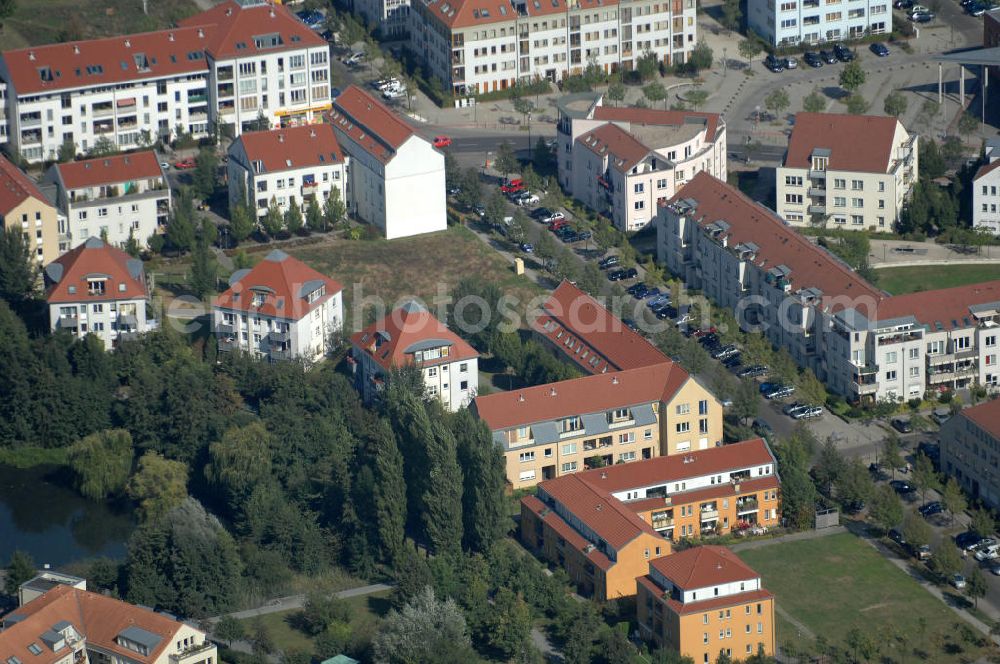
(184, 164)
(513, 186)
(441, 141)
(558, 224)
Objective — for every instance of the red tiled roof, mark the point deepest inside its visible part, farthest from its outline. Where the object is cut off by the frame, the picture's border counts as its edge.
(566, 531)
(97, 618)
(107, 61)
(284, 281)
(856, 142)
(109, 170)
(703, 566)
(235, 28)
(652, 116)
(712, 604)
(465, 13)
(986, 169)
(579, 396)
(91, 258)
(708, 493)
(811, 266)
(392, 340)
(948, 306)
(986, 416)
(622, 148)
(571, 316)
(292, 147)
(369, 122)
(15, 187)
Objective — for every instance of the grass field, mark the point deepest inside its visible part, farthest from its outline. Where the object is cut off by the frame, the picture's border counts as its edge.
(836, 583)
(899, 280)
(45, 21)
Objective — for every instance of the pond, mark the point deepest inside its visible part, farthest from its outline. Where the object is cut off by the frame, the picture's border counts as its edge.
(41, 514)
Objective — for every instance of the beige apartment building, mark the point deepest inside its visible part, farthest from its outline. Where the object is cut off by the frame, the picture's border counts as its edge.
(846, 171)
(970, 451)
(23, 207)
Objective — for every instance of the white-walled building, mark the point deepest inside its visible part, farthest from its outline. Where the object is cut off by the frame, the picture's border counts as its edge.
(113, 197)
(281, 309)
(624, 161)
(478, 46)
(100, 290)
(225, 66)
(794, 22)
(391, 16)
(411, 335)
(396, 178)
(290, 164)
(852, 171)
(986, 191)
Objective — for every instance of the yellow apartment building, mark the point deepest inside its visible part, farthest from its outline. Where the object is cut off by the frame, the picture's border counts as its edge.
(23, 207)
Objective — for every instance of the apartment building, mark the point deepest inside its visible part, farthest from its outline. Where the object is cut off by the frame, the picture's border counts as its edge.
(24, 207)
(100, 290)
(602, 546)
(281, 309)
(622, 162)
(396, 178)
(297, 164)
(45, 581)
(117, 198)
(861, 342)
(478, 46)
(795, 22)
(226, 67)
(704, 602)
(986, 191)
(411, 336)
(392, 17)
(68, 625)
(970, 451)
(846, 171)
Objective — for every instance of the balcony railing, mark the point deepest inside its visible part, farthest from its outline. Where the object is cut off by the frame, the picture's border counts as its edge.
(197, 99)
(944, 358)
(67, 322)
(816, 209)
(817, 175)
(280, 355)
(866, 370)
(817, 191)
(227, 343)
(866, 388)
(746, 505)
(899, 338)
(966, 353)
(278, 337)
(102, 112)
(192, 652)
(27, 123)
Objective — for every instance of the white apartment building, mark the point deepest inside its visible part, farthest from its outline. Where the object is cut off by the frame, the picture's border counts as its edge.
(112, 197)
(391, 16)
(861, 342)
(478, 46)
(847, 171)
(986, 191)
(624, 161)
(411, 335)
(396, 178)
(100, 290)
(970, 443)
(281, 309)
(298, 164)
(224, 67)
(794, 22)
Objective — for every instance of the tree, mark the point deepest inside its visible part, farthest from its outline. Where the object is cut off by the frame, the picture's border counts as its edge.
(239, 462)
(314, 217)
(181, 223)
(857, 105)
(830, 467)
(852, 76)
(334, 210)
(203, 178)
(103, 147)
(654, 92)
(442, 500)
(946, 560)
(20, 569)
(102, 462)
(67, 151)
(229, 629)
(854, 486)
(158, 485)
(916, 531)
(749, 49)
(293, 218)
(424, 631)
(696, 98)
(203, 268)
(508, 623)
(983, 522)
(483, 506)
(798, 497)
(975, 586)
(732, 14)
(505, 162)
(18, 268)
(967, 124)
(886, 510)
(472, 189)
(241, 222)
(814, 102)
(616, 92)
(273, 221)
(389, 493)
(321, 610)
(953, 499)
(924, 476)
(647, 66)
(746, 403)
(891, 455)
(777, 101)
(895, 104)
(701, 57)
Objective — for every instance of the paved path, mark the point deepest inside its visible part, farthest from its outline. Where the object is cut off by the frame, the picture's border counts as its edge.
(296, 601)
(793, 537)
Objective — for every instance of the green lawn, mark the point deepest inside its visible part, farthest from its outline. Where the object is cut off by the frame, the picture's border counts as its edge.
(836, 583)
(899, 280)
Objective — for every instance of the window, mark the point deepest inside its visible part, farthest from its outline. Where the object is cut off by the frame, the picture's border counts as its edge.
(793, 198)
(890, 375)
(839, 201)
(639, 205)
(914, 353)
(704, 637)
(569, 448)
(857, 202)
(793, 180)
(890, 358)
(569, 467)
(857, 185)
(683, 409)
(683, 427)
(463, 385)
(914, 372)
(839, 183)
(626, 457)
(703, 407)
(703, 425)
(990, 341)
(704, 618)
(626, 438)
(962, 343)
(463, 367)
(526, 475)
(525, 457)
(661, 183)
(647, 434)
(639, 187)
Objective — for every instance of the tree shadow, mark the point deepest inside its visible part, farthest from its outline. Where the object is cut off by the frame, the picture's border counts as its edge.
(379, 605)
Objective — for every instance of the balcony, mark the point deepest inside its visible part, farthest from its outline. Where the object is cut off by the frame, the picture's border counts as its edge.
(966, 369)
(817, 191)
(903, 338)
(280, 355)
(816, 209)
(966, 353)
(127, 320)
(224, 74)
(278, 337)
(309, 188)
(194, 654)
(67, 322)
(228, 343)
(102, 112)
(817, 175)
(746, 505)
(197, 99)
(941, 376)
(30, 121)
(866, 370)
(225, 329)
(662, 520)
(31, 137)
(590, 445)
(944, 358)
(865, 388)
(711, 514)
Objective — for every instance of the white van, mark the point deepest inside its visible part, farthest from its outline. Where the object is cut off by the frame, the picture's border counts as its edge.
(988, 553)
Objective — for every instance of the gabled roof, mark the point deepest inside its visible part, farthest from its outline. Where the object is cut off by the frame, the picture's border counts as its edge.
(704, 606)
(703, 567)
(986, 416)
(986, 169)
(285, 284)
(392, 341)
(124, 278)
(15, 187)
(580, 396)
(652, 116)
(292, 148)
(566, 531)
(466, 13)
(109, 170)
(861, 143)
(251, 28)
(621, 148)
(370, 123)
(97, 618)
(948, 307)
(590, 335)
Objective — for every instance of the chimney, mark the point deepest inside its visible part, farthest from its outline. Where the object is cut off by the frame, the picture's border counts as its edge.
(281, 138)
(170, 37)
(271, 12)
(31, 55)
(128, 43)
(520, 398)
(76, 50)
(604, 475)
(598, 508)
(201, 33)
(229, 11)
(614, 380)
(552, 391)
(312, 133)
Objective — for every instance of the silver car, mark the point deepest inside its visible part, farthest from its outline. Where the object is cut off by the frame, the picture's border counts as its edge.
(807, 413)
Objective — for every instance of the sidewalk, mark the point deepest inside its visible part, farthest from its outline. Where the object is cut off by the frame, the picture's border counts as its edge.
(291, 602)
(793, 537)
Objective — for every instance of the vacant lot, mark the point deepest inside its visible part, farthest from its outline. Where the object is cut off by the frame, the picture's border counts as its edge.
(899, 280)
(838, 583)
(45, 21)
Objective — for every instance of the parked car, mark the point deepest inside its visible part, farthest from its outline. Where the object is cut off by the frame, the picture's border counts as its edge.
(897, 536)
(901, 486)
(791, 63)
(528, 198)
(968, 540)
(780, 392)
(570, 236)
(609, 261)
(442, 141)
(901, 425)
(762, 428)
(630, 273)
(903, 4)
(553, 217)
(923, 552)
(753, 371)
(976, 8)
(658, 301)
(881, 50)
(667, 311)
(539, 213)
(828, 57)
(793, 407)
(479, 209)
(843, 53)
(921, 17)
(184, 164)
(558, 225)
(930, 450)
(987, 552)
(775, 64)
(941, 415)
(995, 568)
(808, 413)
(527, 247)
(725, 351)
(812, 59)
(630, 324)
(586, 235)
(616, 275)
(930, 509)
(733, 361)
(513, 186)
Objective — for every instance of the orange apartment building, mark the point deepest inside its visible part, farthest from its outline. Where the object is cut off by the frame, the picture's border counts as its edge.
(705, 601)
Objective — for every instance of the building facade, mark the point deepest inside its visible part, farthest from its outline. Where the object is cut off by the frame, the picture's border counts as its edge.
(227, 68)
(100, 290)
(396, 178)
(119, 198)
(281, 309)
(24, 207)
(970, 451)
(986, 192)
(476, 46)
(623, 161)
(703, 602)
(846, 171)
(816, 21)
(411, 336)
(392, 17)
(299, 164)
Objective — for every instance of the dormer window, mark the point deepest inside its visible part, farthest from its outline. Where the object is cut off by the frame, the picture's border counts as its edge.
(95, 286)
(258, 300)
